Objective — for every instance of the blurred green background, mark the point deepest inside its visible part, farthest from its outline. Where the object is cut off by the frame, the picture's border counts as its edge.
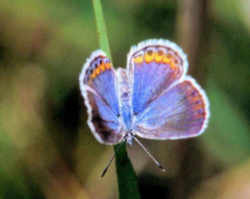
(46, 148)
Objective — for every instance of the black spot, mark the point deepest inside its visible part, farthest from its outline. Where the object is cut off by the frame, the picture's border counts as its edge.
(125, 95)
(149, 52)
(106, 135)
(101, 128)
(194, 93)
(96, 119)
(200, 111)
(198, 102)
(135, 113)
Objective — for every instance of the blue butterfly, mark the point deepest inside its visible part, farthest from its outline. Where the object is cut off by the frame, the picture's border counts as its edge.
(152, 98)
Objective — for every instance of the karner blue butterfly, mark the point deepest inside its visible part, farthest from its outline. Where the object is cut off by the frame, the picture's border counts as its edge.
(152, 98)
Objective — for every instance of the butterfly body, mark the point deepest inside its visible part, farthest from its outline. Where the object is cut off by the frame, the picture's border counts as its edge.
(125, 100)
(152, 98)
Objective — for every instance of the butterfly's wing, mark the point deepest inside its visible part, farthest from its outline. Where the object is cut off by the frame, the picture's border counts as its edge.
(166, 104)
(153, 66)
(99, 89)
(180, 112)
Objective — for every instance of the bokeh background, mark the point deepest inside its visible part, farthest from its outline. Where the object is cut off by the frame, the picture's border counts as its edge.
(46, 148)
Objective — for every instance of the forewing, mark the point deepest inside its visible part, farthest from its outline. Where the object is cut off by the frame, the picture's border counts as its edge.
(180, 112)
(154, 65)
(98, 87)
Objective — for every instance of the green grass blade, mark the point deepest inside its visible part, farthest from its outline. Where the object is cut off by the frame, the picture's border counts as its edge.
(101, 27)
(127, 180)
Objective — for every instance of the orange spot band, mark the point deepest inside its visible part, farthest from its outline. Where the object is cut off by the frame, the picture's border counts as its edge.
(100, 69)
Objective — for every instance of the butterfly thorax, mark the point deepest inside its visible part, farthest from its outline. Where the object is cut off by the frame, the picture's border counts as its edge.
(125, 100)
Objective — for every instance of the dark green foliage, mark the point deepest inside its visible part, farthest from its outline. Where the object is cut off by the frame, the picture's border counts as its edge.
(127, 180)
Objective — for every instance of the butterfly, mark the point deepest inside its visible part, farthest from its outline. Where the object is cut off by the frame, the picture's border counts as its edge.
(153, 98)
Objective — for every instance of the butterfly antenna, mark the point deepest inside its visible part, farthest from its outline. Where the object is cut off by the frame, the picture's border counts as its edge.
(149, 154)
(108, 165)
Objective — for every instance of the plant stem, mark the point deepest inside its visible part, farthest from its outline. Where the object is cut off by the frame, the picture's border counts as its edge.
(101, 27)
(127, 180)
